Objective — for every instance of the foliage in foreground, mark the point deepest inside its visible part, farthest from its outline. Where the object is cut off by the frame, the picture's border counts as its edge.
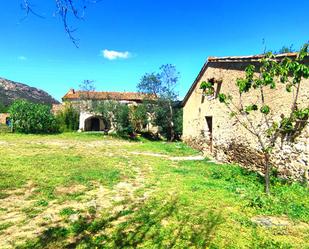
(156, 223)
(27, 117)
(68, 118)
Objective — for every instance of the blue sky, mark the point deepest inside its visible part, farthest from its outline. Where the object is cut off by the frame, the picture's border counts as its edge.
(152, 32)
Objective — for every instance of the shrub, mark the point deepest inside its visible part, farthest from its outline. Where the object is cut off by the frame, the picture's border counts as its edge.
(68, 118)
(122, 120)
(27, 117)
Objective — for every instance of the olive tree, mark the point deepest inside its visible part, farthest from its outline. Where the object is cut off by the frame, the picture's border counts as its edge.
(162, 87)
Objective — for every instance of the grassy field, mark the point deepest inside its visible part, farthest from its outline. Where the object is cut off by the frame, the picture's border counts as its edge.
(90, 191)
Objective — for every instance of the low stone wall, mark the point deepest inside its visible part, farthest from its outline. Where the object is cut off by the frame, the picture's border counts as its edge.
(291, 161)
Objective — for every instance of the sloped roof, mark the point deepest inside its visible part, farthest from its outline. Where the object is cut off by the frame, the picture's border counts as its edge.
(229, 59)
(128, 96)
(246, 58)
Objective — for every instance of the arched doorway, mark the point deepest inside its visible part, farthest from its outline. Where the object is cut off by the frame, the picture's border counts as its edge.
(8, 121)
(94, 124)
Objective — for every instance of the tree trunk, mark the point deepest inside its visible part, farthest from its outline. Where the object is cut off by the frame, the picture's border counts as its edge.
(171, 123)
(267, 173)
(306, 177)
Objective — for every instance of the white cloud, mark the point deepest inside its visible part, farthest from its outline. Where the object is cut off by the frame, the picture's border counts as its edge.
(22, 58)
(114, 55)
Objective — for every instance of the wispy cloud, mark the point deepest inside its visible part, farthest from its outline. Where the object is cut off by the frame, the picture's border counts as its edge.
(22, 58)
(114, 55)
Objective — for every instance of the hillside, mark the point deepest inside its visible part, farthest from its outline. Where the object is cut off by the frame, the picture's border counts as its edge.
(10, 91)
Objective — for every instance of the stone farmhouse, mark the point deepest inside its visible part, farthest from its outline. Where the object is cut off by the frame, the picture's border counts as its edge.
(90, 121)
(208, 126)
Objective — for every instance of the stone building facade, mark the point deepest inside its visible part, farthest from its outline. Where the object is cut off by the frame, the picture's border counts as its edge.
(90, 121)
(208, 125)
(4, 118)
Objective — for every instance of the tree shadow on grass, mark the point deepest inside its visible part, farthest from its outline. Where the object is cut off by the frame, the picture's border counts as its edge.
(154, 224)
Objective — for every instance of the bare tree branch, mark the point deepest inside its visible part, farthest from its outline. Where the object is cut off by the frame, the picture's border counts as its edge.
(65, 9)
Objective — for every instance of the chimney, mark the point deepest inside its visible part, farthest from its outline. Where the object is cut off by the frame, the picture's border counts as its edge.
(71, 91)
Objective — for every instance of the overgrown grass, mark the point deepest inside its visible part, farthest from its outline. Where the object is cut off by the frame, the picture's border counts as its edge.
(290, 199)
(193, 204)
(4, 129)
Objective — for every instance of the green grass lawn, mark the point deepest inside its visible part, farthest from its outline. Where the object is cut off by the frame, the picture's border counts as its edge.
(92, 191)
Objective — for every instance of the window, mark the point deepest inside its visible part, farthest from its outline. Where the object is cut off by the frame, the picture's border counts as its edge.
(211, 89)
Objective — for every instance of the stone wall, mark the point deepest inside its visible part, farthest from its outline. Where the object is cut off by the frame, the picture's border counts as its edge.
(3, 117)
(231, 141)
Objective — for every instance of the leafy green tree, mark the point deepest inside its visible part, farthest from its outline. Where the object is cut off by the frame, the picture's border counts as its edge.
(139, 117)
(264, 79)
(122, 120)
(115, 115)
(162, 87)
(178, 121)
(107, 110)
(27, 117)
(68, 118)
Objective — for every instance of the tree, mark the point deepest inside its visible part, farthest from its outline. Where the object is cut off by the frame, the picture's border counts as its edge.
(285, 49)
(65, 9)
(162, 86)
(27, 117)
(68, 118)
(271, 72)
(122, 120)
(107, 110)
(87, 86)
(139, 117)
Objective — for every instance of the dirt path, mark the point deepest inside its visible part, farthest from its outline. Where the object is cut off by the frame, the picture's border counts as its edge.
(185, 158)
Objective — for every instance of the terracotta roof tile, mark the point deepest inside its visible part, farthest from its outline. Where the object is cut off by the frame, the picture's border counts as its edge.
(129, 96)
(246, 58)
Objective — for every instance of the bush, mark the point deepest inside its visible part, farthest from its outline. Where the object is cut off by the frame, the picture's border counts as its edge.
(122, 120)
(68, 118)
(28, 117)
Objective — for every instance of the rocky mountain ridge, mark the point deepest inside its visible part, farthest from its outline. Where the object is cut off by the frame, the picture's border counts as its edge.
(11, 91)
